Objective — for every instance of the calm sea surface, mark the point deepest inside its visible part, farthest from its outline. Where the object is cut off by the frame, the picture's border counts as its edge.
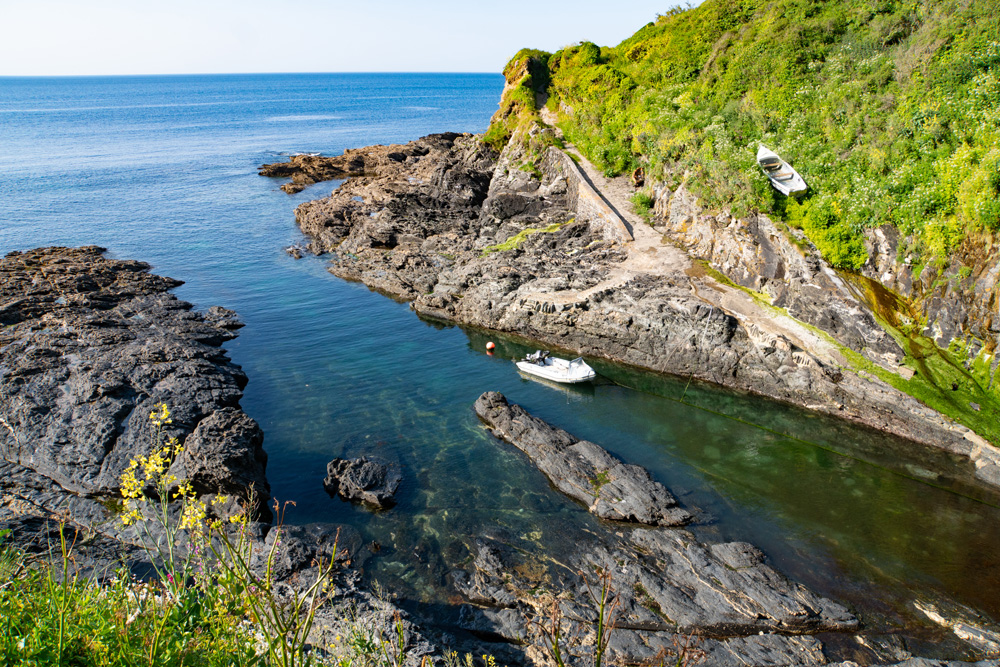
(163, 169)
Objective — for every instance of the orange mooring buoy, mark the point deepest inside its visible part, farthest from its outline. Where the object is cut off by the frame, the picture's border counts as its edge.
(490, 345)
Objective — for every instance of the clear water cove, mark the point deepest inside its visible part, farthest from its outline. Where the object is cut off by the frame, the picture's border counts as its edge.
(163, 169)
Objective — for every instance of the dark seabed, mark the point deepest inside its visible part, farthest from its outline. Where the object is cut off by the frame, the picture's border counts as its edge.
(163, 169)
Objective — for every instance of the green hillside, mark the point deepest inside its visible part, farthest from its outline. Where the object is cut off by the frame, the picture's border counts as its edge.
(891, 111)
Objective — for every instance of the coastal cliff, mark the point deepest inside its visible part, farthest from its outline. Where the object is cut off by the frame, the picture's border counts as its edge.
(523, 231)
(889, 112)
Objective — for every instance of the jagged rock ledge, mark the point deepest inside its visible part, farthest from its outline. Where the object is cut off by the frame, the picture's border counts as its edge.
(306, 169)
(89, 347)
(582, 470)
(502, 243)
(666, 581)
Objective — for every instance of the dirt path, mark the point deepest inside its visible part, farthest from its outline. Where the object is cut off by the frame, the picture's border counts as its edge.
(651, 254)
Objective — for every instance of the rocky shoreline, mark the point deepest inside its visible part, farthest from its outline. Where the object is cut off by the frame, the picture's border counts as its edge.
(508, 243)
(90, 345)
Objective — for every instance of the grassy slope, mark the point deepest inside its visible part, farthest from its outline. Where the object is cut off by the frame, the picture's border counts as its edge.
(891, 110)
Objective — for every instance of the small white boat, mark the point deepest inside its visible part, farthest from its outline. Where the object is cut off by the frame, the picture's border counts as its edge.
(784, 179)
(540, 364)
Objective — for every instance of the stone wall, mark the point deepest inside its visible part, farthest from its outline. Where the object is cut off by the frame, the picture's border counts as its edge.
(588, 203)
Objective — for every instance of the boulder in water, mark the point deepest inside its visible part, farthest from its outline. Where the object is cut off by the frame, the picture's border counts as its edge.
(364, 480)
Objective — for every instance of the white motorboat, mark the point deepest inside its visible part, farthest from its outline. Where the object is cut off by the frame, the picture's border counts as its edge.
(784, 179)
(540, 364)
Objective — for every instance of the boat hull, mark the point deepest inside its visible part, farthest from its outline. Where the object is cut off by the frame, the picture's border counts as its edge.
(558, 370)
(784, 179)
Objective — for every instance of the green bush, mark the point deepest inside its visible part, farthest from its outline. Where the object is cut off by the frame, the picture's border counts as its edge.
(642, 204)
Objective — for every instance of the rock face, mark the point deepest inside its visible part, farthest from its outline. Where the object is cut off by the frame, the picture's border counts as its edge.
(960, 302)
(89, 347)
(435, 192)
(582, 470)
(754, 253)
(363, 480)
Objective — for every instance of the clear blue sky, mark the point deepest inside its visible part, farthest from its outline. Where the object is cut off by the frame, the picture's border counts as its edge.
(57, 37)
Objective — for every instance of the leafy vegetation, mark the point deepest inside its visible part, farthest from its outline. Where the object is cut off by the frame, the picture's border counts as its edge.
(642, 204)
(527, 75)
(890, 109)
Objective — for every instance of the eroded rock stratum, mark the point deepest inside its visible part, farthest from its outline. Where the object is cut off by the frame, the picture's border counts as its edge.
(89, 347)
(503, 242)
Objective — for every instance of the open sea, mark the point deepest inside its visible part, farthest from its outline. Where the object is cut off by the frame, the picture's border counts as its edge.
(164, 169)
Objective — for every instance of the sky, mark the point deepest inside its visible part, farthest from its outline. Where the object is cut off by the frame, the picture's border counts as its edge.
(87, 37)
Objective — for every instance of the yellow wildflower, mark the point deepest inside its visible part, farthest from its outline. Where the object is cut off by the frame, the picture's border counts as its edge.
(185, 489)
(193, 515)
(131, 514)
(160, 414)
(131, 487)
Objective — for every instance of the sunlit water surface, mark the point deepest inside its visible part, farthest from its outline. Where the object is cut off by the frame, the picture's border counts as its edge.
(164, 169)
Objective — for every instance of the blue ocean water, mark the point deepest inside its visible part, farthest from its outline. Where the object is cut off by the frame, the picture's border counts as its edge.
(163, 169)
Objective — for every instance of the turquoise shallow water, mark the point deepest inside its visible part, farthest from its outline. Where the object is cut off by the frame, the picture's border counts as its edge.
(164, 169)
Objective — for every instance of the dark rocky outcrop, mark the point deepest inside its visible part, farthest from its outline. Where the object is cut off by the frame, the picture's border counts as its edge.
(372, 161)
(363, 480)
(582, 470)
(437, 191)
(501, 243)
(306, 169)
(89, 347)
(666, 583)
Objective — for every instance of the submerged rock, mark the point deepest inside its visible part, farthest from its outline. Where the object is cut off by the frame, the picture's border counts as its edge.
(363, 480)
(582, 470)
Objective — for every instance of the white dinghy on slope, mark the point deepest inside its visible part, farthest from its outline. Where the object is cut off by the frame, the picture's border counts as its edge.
(540, 364)
(784, 179)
